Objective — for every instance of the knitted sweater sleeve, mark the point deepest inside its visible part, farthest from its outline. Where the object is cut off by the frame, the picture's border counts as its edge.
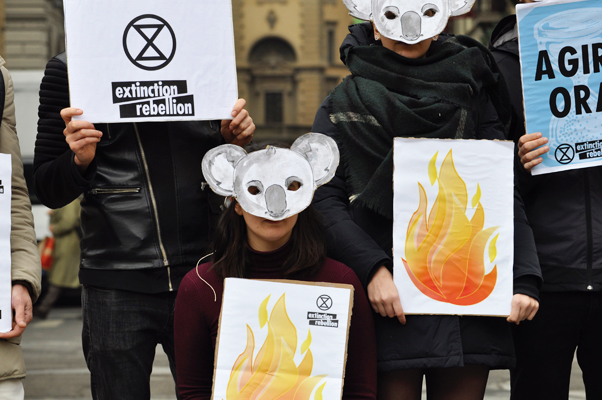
(195, 328)
(360, 373)
(56, 177)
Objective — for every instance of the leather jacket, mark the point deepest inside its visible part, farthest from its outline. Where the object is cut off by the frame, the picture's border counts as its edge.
(145, 201)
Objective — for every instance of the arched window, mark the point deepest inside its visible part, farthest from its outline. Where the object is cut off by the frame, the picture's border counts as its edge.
(273, 52)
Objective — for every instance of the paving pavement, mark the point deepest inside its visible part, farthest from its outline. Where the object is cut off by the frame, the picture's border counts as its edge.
(56, 369)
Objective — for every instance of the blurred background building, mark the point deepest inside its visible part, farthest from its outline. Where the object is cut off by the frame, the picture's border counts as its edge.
(286, 50)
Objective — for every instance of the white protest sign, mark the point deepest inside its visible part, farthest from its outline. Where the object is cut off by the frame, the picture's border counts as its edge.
(453, 227)
(561, 63)
(151, 60)
(6, 314)
(282, 339)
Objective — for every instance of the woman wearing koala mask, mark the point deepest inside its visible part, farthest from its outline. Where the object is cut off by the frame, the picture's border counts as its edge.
(268, 231)
(409, 80)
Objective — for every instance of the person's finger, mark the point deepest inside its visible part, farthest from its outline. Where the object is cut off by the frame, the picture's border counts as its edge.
(399, 311)
(68, 113)
(535, 153)
(528, 138)
(530, 146)
(514, 314)
(533, 311)
(239, 105)
(239, 120)
(528, 166)
(82, 133)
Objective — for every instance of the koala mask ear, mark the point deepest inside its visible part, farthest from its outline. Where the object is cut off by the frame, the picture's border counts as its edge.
(322, 153)
(360, 9)
(459, 7)
(218, 167)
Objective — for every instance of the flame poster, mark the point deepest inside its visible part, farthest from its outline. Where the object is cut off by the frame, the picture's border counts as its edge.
(282, 339)
(453, 229)
(6, 314)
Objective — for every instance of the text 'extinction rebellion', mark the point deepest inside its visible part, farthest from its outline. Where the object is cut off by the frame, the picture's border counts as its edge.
(153, 99)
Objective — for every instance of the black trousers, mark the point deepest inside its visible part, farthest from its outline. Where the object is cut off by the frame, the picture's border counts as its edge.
(545, 347)
(120, 333)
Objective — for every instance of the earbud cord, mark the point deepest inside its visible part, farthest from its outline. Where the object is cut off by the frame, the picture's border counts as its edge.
(199, 275)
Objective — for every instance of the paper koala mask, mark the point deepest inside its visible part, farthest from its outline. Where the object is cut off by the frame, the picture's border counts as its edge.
(273, 183)
(408, 21)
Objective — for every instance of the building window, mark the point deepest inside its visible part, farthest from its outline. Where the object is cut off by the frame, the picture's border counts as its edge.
(331, 44)
(273, 108)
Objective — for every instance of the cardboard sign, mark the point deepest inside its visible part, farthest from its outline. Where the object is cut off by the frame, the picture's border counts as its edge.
(151, 60)
(282, 338)
(6, 314)
(560, 45)
(453, 227)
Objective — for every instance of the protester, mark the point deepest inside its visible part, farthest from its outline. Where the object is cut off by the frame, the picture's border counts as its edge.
(561, 209)
(64, 226)
(25, 259)
(439, 87)
(146, 219)
(250, 246)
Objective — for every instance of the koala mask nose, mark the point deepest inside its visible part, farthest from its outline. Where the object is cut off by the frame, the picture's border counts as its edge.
(275, 199)
(411, 25)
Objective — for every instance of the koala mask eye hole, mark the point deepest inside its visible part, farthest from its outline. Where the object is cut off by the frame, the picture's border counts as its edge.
(293, 183)
(254, 188)
(429, 10)
(391, 12)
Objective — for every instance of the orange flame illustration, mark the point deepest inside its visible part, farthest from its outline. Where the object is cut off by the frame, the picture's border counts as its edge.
(445, 253)
(273, 375)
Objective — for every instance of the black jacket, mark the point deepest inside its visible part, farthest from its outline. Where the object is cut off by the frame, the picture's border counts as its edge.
(362, 239)
(145, 202)
(562, 207)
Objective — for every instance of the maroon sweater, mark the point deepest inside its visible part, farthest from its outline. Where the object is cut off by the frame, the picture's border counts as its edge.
(197, 316)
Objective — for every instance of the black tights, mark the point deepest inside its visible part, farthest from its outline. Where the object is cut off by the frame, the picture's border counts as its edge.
(458, 383)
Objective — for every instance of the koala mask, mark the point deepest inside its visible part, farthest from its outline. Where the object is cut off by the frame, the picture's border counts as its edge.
(408, 21)
(273, 183)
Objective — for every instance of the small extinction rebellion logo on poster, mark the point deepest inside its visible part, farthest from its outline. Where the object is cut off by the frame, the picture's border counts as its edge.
(149, 43)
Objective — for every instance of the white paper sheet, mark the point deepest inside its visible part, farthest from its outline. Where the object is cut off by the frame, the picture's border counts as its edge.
(316, 321)
(151, 60)
(444, 261)
(5, 272)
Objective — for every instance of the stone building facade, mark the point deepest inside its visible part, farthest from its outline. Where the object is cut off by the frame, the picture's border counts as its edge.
(288, 60)
(33, 32)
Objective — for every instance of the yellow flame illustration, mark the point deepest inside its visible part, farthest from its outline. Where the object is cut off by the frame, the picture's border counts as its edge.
(274, 375)
(445, 251)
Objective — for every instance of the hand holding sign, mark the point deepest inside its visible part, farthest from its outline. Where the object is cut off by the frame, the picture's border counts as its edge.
(21, 303)
(81, 137)
(239, 130)
(384, 297)
(529, 150)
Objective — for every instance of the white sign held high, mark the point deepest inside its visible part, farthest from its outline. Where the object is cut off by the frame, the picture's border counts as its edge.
(453, 226)
(151, 60)
(5, 273)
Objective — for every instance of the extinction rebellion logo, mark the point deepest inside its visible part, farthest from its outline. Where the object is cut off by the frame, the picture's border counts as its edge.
(149, 43)
(324, 303)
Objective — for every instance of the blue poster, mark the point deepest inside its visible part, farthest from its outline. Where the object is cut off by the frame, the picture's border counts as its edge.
(561, 66)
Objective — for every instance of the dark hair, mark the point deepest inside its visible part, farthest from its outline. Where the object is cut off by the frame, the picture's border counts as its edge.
(229, 246)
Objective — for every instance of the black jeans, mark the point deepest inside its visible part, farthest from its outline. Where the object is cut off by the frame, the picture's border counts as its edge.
(120, 333)
(545, 347)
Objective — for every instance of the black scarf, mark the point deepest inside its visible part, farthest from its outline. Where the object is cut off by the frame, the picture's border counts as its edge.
(389, 96)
